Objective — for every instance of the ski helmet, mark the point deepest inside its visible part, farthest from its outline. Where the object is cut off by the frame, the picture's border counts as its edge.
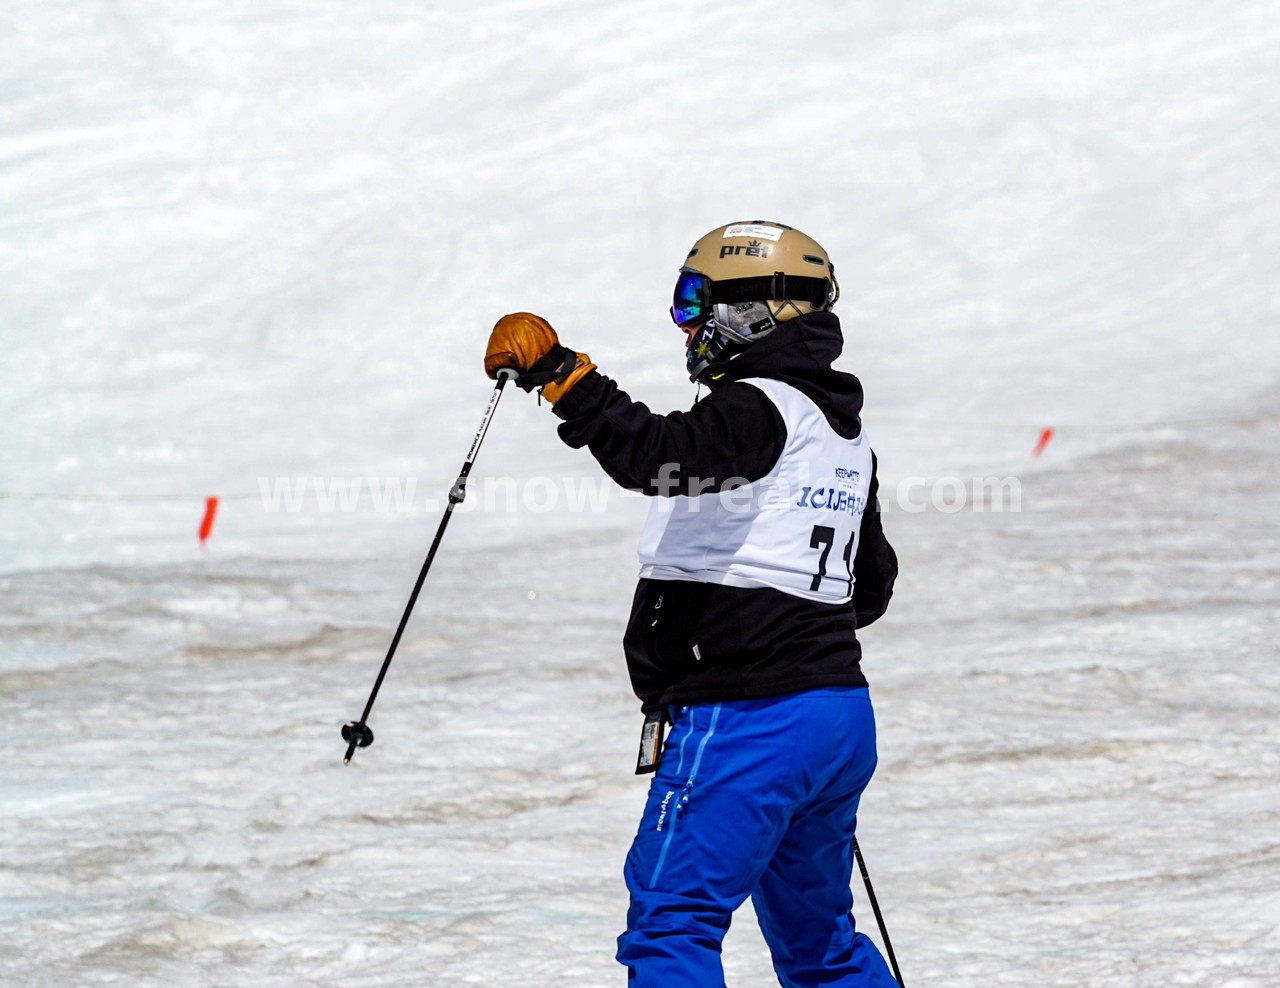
(739, 281)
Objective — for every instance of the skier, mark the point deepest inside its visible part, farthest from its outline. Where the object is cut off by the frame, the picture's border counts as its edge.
(763, 551)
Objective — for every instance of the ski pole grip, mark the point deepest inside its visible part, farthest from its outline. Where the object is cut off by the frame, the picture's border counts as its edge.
(507, 373)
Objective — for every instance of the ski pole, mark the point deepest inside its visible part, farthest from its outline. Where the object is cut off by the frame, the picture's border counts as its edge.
(875, 906)
(356, 733)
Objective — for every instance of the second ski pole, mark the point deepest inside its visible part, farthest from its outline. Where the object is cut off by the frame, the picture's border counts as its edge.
(875, 906)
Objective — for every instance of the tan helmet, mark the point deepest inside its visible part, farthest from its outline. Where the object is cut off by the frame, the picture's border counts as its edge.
(739, 282)
(757, 261)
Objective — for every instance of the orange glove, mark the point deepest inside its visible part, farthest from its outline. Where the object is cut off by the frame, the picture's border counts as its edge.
(519, 341)
(529, 345)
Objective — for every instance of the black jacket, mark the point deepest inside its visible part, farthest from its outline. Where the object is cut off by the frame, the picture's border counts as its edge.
(749, 642)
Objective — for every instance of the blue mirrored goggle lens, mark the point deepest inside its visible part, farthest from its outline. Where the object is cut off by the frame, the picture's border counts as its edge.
(691, 298)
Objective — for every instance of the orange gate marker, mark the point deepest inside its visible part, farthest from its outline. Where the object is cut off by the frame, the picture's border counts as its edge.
(206, 525)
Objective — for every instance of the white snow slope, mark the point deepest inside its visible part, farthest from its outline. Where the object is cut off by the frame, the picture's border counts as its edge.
(247, 243)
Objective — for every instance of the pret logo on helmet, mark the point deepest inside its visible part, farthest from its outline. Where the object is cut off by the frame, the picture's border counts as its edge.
(753, 249)
(737, 292)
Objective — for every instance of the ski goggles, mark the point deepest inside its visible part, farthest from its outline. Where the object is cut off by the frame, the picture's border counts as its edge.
(692, 298)
(695, 294)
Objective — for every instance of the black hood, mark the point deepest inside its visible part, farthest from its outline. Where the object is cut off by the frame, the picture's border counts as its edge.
(800, 353)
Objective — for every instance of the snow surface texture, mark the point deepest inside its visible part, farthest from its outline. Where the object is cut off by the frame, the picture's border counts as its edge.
(245, 240)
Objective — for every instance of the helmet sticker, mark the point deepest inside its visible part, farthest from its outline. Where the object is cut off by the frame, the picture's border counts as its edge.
(753, 230)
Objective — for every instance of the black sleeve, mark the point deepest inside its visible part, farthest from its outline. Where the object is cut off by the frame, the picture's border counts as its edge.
(734, 432)
(875, 566)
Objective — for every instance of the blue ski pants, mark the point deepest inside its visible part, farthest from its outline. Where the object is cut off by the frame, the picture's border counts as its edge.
(754, 798)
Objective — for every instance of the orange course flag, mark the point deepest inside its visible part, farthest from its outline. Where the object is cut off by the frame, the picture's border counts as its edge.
(206, 524)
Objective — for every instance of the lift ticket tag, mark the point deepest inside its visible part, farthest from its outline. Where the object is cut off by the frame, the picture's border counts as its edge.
(651, 738)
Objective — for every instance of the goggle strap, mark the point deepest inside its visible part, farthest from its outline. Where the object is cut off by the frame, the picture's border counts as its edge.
(797, 288)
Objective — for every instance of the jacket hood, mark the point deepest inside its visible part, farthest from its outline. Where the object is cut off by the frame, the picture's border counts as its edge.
(800, 353)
